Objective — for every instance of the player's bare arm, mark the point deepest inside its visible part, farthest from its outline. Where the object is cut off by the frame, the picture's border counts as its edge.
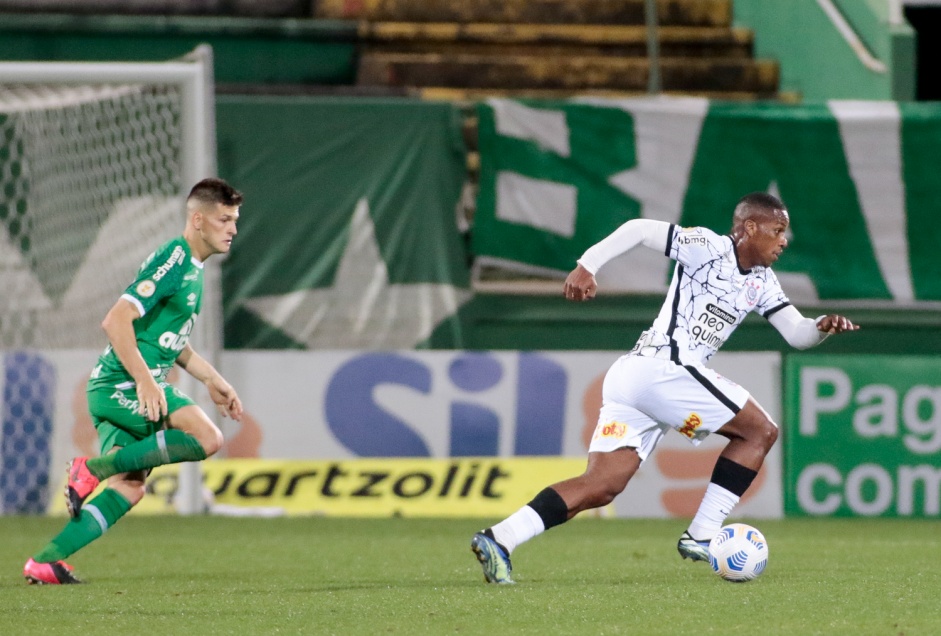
(118, 324)
(222, 393)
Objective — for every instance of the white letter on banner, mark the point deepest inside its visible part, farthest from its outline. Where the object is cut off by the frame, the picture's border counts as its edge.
(812, 402)
(546, 205)
(870, 132)
(805, 489)
(930, 427)
(877, 414)
(547, 128)
(666, 135)
(854, 486)
(908, 477)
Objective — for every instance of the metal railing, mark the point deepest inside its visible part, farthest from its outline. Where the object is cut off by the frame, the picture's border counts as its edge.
(849, 34)
(654, 82)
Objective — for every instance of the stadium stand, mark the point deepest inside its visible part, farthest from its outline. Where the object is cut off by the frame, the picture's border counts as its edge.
(259, 8)
(553, 48)
(430, 48)
(252, 53)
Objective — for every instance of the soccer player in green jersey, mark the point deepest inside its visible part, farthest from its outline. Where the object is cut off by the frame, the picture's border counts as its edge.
(141, 419)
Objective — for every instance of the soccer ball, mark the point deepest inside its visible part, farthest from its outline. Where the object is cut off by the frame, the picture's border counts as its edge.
(738, 553)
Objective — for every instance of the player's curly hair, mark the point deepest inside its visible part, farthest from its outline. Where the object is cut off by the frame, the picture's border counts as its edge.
(213, 190)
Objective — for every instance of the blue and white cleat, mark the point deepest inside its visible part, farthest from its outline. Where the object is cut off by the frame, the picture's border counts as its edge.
(690, 548)
(495, 563)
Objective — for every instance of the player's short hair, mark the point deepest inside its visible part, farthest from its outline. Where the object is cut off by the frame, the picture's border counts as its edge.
(756, 205)
(762, 200)
(213, 190)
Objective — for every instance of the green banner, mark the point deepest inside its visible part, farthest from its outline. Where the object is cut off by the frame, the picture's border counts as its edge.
(862, 436)
(348, 237)
(859, 179)
(540, 166)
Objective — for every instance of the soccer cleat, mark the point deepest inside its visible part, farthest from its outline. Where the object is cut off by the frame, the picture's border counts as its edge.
(690, 548)
(55, 573)
(494, 561)
(81, 484)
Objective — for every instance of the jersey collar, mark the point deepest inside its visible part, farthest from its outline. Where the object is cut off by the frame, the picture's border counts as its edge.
(738, 263)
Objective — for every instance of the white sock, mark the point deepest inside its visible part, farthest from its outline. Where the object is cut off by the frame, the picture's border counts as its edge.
(518, 528)
(716, 505)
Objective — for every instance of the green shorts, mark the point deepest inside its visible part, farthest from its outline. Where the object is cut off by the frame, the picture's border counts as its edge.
(115, 416)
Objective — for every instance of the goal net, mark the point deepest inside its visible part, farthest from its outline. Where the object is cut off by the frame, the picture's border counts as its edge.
(95, 162)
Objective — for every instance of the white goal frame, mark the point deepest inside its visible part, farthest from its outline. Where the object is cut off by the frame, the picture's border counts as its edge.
(193, 75)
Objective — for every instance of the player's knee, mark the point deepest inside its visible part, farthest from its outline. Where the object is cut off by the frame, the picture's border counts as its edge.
(605, 490)
(211, 441)
(605, 497)
(137, 493)
(765, 434)
(133, 491)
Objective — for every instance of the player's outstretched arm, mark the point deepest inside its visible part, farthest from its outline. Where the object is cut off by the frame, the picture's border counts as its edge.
(222, 393)
(803, 333)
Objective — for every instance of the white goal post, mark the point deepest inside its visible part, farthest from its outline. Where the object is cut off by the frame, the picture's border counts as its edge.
(96, 159)
(192, 74)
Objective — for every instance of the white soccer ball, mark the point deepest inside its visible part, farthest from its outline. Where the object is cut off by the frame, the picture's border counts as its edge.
(738, 553)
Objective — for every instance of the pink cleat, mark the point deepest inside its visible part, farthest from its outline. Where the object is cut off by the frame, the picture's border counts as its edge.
(55, 573)
(81, 484)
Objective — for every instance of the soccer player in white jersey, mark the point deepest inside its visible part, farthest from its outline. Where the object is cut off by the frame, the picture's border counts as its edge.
(142, 420)
(663, 382)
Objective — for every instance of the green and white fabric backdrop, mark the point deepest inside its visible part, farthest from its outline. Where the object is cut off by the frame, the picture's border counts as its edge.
(349, 235)
(859, 179)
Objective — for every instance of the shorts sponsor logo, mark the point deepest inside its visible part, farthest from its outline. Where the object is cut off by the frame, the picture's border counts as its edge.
(616, 430)
(690, 425)
(125, 402)
(145, 288)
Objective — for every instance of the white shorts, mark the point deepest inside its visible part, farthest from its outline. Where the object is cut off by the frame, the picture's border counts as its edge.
(643, 397)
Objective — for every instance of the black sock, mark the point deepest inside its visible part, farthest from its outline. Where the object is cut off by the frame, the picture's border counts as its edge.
(732, 476)
(550, 507)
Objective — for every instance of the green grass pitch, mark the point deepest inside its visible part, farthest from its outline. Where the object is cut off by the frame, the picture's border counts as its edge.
(212, 575)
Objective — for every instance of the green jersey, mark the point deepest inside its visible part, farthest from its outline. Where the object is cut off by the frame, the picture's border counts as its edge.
(168, 294)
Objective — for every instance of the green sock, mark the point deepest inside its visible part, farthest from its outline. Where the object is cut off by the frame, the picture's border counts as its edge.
(97, 516)
(164, 447)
